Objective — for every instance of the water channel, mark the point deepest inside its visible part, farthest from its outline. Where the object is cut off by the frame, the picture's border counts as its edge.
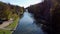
(27, 26)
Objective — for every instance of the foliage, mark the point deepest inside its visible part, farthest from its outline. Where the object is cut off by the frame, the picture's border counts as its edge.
(7, 11)
(49, 10)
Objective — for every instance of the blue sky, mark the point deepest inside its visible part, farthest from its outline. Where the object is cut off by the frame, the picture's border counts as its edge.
(24, 3)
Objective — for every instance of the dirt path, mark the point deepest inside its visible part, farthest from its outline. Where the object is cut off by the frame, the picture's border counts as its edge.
(6, 23)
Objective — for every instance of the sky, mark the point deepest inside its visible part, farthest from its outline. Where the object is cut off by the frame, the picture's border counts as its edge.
(22, 3)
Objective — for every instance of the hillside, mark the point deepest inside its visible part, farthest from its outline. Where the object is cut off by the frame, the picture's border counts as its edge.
(47, 13)
(8, 11)
(9, 17)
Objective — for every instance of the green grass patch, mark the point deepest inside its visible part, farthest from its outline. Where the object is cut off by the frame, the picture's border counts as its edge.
(14, 24)
(5, 31)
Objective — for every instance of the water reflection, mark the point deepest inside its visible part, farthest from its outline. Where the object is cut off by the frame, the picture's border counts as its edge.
(27, 26)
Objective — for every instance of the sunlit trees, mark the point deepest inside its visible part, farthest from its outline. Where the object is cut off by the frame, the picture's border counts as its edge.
(8, 11)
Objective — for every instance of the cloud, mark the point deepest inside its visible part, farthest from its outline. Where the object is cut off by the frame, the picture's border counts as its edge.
(24, 3)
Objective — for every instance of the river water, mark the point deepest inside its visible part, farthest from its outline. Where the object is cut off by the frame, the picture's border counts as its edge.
(27, 26)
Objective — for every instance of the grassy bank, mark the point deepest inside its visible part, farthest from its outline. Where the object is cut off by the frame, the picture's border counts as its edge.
(5, 31)
(14, 24)
(10, 27)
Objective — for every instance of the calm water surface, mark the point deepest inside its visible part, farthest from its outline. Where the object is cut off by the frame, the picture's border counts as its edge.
(27, 26)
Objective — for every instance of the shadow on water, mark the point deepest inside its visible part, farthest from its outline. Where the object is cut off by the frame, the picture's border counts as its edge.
(27, 25)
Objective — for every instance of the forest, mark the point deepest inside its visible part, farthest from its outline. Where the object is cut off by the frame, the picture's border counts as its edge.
(48, 14)
(8, 11)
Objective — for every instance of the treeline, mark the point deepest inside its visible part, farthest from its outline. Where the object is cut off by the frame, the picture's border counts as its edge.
(8, 11)
(48, 14)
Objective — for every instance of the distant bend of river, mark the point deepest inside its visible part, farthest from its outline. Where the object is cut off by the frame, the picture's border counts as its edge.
(27, 26)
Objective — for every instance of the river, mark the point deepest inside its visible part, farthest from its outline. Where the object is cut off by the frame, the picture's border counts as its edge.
(27, 26)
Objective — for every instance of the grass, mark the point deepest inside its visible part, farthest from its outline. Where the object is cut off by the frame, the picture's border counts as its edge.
(5, 31)
(12, 26)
